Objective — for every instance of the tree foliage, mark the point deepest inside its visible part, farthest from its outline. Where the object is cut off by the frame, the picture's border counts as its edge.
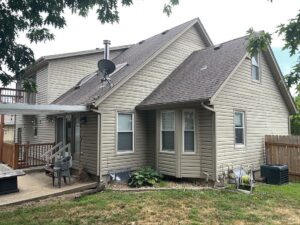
(295, 119)
(258, 41)
(35, 18)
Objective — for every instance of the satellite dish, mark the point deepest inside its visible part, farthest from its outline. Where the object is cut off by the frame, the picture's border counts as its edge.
(106, 67)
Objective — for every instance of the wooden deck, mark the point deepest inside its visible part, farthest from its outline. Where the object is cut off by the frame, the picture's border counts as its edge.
(10, 95)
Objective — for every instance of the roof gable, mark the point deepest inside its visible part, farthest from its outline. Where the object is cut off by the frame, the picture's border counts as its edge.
(137, 56)
(278, 77)
(203, 75)
(200, 76)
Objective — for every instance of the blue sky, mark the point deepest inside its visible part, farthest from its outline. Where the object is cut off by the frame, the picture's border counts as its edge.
(284, 60)
(286, 63)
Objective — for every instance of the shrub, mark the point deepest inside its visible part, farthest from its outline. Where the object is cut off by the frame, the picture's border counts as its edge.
(144, 177)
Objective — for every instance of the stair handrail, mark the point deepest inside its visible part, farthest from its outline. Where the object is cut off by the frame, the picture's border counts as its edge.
(46, 154)
(67, 146)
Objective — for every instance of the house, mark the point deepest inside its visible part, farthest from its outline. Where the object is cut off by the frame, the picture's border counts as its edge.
(175, 102)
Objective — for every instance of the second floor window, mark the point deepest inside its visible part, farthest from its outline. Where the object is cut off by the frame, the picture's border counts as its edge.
(255, 67)
(125, 132)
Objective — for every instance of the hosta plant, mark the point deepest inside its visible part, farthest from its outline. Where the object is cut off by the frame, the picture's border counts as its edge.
(144, 177)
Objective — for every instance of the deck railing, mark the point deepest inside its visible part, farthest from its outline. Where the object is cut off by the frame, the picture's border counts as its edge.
(10, 95)
(27, 155)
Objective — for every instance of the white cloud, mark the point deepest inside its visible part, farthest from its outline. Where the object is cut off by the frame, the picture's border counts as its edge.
(223, 20)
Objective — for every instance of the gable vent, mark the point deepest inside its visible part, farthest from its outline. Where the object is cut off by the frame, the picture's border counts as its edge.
(141, 42)
(204, 67)
(166, 31)
(216, 47)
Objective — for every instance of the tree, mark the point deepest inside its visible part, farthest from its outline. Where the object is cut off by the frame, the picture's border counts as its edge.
(295, 119)
(35, 18)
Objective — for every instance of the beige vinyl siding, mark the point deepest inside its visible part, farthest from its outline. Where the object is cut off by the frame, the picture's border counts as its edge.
(188, 165)
(194, 165)
(45, 130)
(66, 73)
(24, 122)
(88, 147)
(113, 161)
(167, 161)
(42, 86)
(265, 113)
(206, 141)
(128, 96)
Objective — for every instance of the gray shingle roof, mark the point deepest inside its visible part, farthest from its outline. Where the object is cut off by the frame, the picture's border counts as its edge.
(200, 75)
(134, 56)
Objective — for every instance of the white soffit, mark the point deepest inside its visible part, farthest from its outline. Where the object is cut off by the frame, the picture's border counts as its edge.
(27, 109)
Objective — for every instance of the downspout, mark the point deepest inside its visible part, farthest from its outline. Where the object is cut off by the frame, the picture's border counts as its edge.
(99, 131)
(207, 107)
(213, 139)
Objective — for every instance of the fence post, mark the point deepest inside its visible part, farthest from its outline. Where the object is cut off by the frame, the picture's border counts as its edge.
(16, 156)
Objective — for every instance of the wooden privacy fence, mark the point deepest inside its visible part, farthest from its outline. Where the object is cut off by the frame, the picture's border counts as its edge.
(284, 150)
(27, 155)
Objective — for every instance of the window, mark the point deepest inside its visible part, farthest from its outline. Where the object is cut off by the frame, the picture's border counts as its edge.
(167, 131)
(189, 131)
(125, 132)
(255, 67)
(35, 126)
(239, 123)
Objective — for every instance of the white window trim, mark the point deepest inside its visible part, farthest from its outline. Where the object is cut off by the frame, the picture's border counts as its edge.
(117, 131)
(259, 69)
(238, 145)
(183, 130)
(171, 151)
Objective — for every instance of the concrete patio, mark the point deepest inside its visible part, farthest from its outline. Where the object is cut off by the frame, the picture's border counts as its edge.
(35, 186)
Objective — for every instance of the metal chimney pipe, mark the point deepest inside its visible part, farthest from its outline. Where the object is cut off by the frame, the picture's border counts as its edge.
(106, 49)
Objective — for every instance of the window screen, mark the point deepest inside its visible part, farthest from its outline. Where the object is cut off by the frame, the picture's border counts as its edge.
(167, 131)
(125, 132)
(255, 67)
(239, 123)
(189, 131)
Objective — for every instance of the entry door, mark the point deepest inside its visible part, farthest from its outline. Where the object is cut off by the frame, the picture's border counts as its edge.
(68, 132)
(73, 135)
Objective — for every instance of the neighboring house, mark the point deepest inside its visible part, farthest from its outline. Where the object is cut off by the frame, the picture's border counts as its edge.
(177, 103)
(54, 75)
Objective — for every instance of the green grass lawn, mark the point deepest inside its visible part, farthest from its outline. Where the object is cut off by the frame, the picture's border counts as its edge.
(268, 205)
